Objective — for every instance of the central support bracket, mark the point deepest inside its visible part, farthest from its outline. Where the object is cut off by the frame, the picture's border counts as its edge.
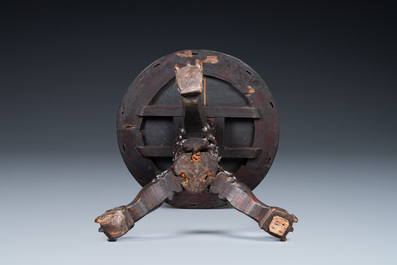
(189, 80)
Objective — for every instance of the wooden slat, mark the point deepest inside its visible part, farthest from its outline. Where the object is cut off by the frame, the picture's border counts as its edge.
(159, 110)
(166, 151)
(214, 111)
(232, 112)
(219, 131)
(240, 152)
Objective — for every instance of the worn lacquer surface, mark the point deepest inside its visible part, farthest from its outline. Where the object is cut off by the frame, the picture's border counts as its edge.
(245, 113)
(196, 169)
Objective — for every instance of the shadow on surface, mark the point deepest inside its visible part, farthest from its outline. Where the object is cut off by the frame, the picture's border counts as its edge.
(168, 206)
(238, 235)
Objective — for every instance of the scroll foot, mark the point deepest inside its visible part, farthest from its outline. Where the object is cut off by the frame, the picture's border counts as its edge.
(278, 222)
(115, 222)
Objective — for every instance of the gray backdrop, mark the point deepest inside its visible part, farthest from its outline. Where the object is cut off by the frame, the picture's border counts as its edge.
(65, 67)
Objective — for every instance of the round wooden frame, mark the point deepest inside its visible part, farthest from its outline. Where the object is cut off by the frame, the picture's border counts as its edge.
(136, 105)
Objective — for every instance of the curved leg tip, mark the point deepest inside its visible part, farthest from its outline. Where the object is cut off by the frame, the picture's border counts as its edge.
(115, 222)
(278, 223)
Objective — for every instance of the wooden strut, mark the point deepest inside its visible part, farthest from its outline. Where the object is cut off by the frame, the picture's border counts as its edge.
(195, 169)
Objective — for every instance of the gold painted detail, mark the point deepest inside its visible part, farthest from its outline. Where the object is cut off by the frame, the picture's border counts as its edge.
(196, 157)
(185, 54)
(129, 127)
(184, 176)
(251, 91)
(211, 59)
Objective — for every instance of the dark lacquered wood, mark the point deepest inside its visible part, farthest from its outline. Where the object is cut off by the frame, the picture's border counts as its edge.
(195, 174)
(220, 111)
(247, 123)
(118, 221)
(162, 188)
(240, 197)
(230, 152)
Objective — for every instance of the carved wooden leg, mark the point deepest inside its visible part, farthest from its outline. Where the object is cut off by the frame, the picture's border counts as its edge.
(276, 221)
(118, 221)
